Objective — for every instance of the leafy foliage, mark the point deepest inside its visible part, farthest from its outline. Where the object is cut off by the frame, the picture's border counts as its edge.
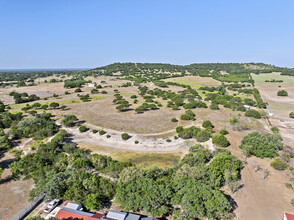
(282, 93)
(261, 145)
(278, 164)
(220, 140)
(253, 113)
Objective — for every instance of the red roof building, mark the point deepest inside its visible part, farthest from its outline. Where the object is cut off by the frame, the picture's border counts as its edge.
(288, 216)
(71, 214)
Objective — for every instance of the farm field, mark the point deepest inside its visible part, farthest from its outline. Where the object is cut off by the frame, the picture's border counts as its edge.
(280, 106)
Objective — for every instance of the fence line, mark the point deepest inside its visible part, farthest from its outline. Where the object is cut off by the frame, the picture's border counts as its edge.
(29, 208)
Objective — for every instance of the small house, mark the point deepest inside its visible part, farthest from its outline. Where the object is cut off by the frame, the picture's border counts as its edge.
(270, 113)
(247, 107)
(92, 85)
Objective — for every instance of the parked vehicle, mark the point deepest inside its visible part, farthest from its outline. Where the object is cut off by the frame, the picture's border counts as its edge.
(51, 205)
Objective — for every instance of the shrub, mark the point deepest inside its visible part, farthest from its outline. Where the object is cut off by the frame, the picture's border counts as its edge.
(136, 142)
(203, 136)
(220, 140)
(133, 97)
(69, 121)
(289, 186)
(54, 105)
(78, 90)
(83, 128)
(207, 124)
(104, 92)
(102, 132)
(185, 117)
(223, 131)
(190, 132)
(291, 115)
(125, 136)
(174, 120)
(275, 130)
(253, 113)
(179, 129)
(108, 136)
(261, 145)
(233, 120)
(278, 164)
(214, 106)
(168, 140)
(282, 93)
(95, 131)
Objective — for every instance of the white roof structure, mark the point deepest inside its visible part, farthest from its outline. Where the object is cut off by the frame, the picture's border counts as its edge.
(270, 113)
(247, 107)
(116, 215)
(73, 205)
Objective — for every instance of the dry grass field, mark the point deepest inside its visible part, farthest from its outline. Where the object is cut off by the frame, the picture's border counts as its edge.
(280, 106)
(258, 199)
(13, 193)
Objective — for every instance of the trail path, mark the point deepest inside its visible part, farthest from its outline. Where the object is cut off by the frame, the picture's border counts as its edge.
(154, 142)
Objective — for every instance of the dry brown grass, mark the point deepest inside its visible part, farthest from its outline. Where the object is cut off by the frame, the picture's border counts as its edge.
(13, 193)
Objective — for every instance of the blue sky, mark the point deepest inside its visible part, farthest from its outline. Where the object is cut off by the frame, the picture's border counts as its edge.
(91, 33)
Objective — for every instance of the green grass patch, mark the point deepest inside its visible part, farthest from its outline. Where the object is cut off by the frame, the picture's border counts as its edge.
(260, 79)
(149, 159)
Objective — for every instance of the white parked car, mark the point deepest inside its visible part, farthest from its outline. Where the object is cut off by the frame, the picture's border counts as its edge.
(51, 205)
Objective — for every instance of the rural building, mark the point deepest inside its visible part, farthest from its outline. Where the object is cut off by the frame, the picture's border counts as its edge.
(73, 205)
(91, 85)
(66, 213)
(247, 107)
(288, 216)
(270, 113)
(115, 215)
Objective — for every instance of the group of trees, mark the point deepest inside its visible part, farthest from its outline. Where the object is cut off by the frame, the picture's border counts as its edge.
(122, 104)
(37, 127)
(253, 113)
(23, 97)
(261, 145)
(191, 186)
(27, 78)
(190, 132)
(61, 169)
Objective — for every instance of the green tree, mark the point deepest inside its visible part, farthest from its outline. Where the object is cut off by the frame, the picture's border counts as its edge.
(220, 140)
(125, 136)
(203, 136)
(54, 105)
(282, 93)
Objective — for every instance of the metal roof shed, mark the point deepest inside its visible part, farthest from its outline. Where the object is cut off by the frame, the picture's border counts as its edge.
(116, 215)
(132, 216)
(73, 205)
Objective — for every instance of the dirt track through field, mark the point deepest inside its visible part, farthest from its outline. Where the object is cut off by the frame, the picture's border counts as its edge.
(147, 142)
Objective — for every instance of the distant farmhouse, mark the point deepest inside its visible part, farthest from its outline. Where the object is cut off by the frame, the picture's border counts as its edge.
(92, 85)
(270, 113)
